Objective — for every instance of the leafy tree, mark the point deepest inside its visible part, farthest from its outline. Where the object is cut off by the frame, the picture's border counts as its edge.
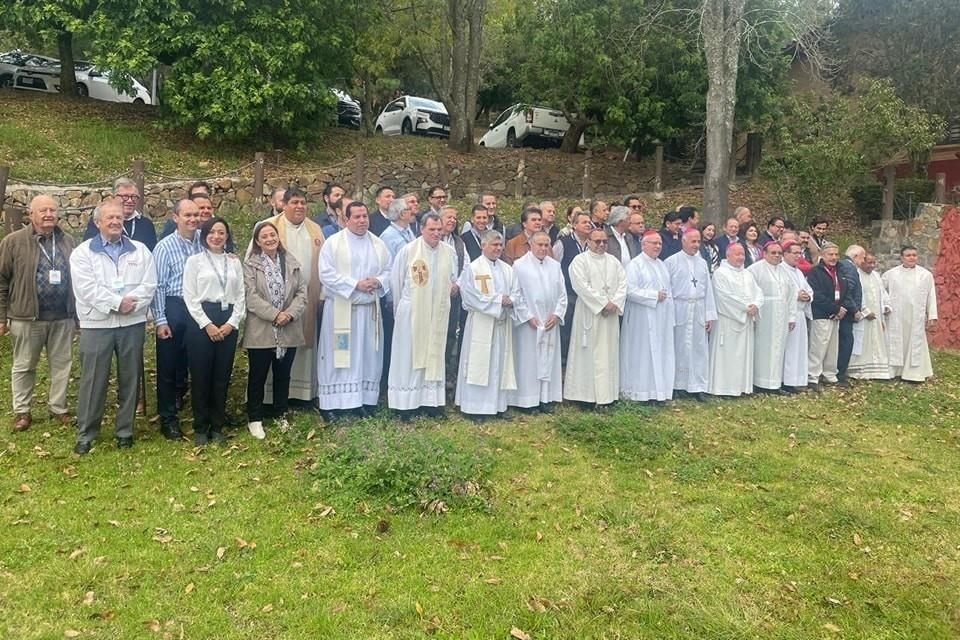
(825, 148)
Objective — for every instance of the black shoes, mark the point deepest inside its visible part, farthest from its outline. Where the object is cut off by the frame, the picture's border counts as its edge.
(81, 448)
(171, 432)
(124, 443)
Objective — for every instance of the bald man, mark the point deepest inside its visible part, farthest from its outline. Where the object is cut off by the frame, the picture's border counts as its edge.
(37, 308)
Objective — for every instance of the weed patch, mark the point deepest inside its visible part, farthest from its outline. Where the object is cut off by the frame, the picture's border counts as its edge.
(628, 434)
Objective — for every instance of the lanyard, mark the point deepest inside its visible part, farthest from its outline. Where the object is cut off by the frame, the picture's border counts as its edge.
(53, 247)
(222, 279)
(133, 226)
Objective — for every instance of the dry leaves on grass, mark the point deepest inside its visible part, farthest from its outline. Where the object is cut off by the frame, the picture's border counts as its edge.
(519, 634)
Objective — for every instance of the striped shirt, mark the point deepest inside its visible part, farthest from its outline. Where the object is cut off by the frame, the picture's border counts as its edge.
(170, 256)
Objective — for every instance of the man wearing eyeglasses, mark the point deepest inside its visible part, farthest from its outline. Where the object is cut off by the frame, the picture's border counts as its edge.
(136, 225)
(436, 201)
(593, 363)
(774, 232)
(778, 319)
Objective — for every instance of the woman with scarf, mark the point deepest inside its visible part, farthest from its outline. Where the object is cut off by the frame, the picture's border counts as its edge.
(276, 292)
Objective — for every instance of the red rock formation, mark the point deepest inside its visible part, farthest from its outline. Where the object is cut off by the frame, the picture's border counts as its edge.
(946, 275)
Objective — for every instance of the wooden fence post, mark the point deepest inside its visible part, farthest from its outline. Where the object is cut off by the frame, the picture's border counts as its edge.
(138, 170)
(521, 172)
(889, 178)
(259, 158)
(4, 176)
(587, 187)
(358, 176)
(444, 171)
(658, 170)
(939, 195)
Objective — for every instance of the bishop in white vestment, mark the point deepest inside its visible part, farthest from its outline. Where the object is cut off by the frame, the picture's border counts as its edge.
(536, 334)
(488, 292)
(731, 343)
(693, 301)
(646, 337)
(422, 279)
(355, 272)
(593, 362)
(777, 320)
(913, 304)
(870, 360)
(795, 357)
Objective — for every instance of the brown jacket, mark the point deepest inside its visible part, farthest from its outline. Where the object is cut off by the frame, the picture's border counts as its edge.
(19, 258)
(517, 247)
(258, 329)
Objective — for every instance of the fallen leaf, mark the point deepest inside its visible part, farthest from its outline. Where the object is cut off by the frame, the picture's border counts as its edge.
(24, 488)
(77, 553)
(267, 609)
(189, 588)
(310, 436)
(71, 633)
(88, 597)
(518, 634)
(419, 608)
(857, 540)
(493, 581)
(221, 551)
(832, 628)
(115, 523)
(153, 625)
(539, 536)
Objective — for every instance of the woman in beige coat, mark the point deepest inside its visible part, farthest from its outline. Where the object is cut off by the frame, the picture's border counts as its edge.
(276, 293)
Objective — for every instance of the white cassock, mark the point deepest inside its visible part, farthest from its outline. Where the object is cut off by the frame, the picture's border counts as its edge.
(536, 351)
(350, 358)
(772, 327)
(486, 374)
(870, 360)
(693, 301)
(796, 354)
(731, 341)
(646, 337)
(420, 281)
(913, 301)
(593, 360)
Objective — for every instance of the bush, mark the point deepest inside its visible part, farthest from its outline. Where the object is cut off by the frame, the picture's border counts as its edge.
(868, 198)
(405, 468)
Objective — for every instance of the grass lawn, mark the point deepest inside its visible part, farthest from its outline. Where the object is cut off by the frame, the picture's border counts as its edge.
(776, 518)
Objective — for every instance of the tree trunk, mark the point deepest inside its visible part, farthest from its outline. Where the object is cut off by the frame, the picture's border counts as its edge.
(571, 139)
(366, 107)
(722, 29)
(465, 19)
(68, 74)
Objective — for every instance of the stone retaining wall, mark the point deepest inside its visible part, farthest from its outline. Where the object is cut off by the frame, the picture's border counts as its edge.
(921, 231)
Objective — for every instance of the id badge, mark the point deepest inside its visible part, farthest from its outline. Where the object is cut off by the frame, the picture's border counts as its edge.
(118, 284)
(55, 276)
(836, 296)
(224, 306)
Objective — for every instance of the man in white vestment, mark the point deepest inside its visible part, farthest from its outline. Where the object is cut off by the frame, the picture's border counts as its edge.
(870, 360)
(797, 347)
(488, 292)
(693, 301)
(732, 340)
(355, 272)
(422, 280)
(913, 304)
(776, 322)
(593, 362)
(303, 238)
(536, 336)
(646, 337)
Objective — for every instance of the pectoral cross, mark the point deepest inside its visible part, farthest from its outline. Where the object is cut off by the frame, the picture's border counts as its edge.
(482, 281)
(693, 279)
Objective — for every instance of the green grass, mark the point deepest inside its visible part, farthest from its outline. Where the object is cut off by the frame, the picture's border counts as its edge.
(785, 518)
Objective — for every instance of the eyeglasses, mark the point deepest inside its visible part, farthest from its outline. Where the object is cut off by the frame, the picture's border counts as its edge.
(636, 207)
(128, 196)
(600, 241)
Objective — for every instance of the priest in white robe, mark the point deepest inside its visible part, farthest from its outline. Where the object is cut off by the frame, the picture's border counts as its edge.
(303, 238)
(355, 272)
(776, 322)
(488, 292)
(796, 353)
(913, 304)
(870, 359)
(593, 362)
(422, 280)
(693, 301)
(739, 300)
(536, 335)
(646, 337)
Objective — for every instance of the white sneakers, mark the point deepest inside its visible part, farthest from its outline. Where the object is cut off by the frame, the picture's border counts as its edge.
(256, 430)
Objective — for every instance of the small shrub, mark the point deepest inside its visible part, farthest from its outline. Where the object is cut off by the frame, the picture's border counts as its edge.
(405, 468)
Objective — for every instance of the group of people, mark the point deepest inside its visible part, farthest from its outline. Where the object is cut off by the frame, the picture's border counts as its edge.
(344, 307)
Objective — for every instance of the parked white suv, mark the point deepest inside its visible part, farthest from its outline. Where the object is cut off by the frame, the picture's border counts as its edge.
(410, 114)
(526, 125)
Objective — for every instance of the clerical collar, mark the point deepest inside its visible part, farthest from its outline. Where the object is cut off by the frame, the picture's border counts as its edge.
(492, 261)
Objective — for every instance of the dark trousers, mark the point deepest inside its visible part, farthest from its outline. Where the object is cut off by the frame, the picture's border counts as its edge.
(97, 350)
(211, 364)
(386, 312)
(567, 327)
(172, 361)
(454, 325)
(261, 361)
(844, 345)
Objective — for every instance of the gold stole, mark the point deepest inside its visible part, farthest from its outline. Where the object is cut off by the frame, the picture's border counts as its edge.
(430, 296)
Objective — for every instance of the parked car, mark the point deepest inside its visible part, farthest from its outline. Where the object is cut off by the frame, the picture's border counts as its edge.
(410, 114)
(526, 125)
(348, 110)
(11, 61)
(95, 83)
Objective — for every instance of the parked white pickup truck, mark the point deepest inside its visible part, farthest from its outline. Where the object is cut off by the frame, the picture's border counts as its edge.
(526, 125)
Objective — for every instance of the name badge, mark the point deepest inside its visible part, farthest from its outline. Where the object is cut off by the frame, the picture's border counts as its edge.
(118, 284)
(55, 276)
(224, 306)
(836, 296)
